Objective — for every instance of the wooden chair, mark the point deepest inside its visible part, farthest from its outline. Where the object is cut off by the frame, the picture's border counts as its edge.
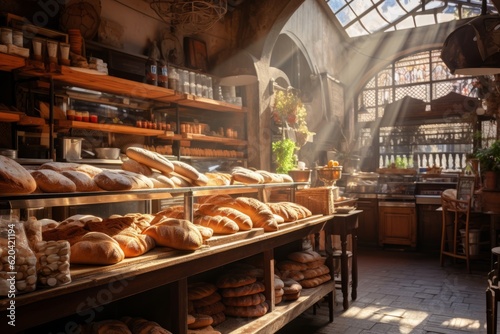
(455, 217)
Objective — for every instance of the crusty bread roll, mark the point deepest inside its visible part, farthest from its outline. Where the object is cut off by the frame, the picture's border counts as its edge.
(14, 178)
(96, 248)
(219, 224)
(112, 180)
(200, 290)
(247, 311)
(150, 159)
(242, 220)
(134, 244)
(175, 233)
(254, 299)
(132, 165)
(83, 181)
(50, 181)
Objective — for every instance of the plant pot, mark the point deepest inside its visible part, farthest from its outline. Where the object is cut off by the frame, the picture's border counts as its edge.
(490, 180)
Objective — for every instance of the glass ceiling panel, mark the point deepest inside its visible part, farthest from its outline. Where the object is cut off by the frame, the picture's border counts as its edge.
(364, 17)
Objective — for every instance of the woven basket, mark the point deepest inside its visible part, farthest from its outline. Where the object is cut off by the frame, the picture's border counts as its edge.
(319, 200)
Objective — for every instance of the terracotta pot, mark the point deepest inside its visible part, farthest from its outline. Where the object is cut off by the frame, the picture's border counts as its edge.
(490, 180)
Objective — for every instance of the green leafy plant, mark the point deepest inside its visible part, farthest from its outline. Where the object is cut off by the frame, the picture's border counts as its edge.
(284, 155)
(489, 157)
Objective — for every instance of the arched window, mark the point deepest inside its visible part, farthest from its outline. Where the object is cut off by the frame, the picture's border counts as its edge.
(422, 76)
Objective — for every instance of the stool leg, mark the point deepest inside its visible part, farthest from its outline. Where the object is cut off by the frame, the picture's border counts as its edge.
(354, 264)
(491, 311)
(344, 271)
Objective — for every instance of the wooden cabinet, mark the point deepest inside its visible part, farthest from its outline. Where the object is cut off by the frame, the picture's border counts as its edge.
(429, 228)
(368, 222)
(397, 224)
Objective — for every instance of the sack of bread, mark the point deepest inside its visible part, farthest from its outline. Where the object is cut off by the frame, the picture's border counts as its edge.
(175, 233)
(14, 178)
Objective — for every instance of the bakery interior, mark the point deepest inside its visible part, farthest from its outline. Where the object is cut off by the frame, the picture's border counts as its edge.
(216, 165)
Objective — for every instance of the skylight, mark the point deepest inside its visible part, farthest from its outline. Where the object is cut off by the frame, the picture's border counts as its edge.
(364, 17)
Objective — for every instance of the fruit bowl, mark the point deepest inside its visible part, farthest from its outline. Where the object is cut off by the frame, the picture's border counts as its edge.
(302, 175)
(329, 175)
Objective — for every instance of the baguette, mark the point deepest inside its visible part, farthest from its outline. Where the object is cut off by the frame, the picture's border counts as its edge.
(50, 181)
(190, 172)
(219, 224)
(242, 220)
(83, 181)
(150, 159)
(132, 165)
(259, 212)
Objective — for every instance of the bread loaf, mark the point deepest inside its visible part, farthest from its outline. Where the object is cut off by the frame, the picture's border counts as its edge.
(111, 180)
(258, 211)
(139, 181)
(132, 165)
(246, 176)
(143, 326)
(83, 181)
(218, 318)
(175, 233)
(206, 232)
(111, 225)
(315, 272)
(205, 301)
(219, 224)
(242, 220)
(201, 320)
(150, 159)
(291, 286)
(244, 290)
(71, 233)
(108, 327)
(14, 178)
(284, 210)
(247, 311)
(233, 280)
(289, 265)
(50, 181)
(96, 248)
(304, 256)
(315, 281)
(190, 172)
(250, 300)
(134, 244)
(211, 309)
(162, 181)
(59, 166)
(200, 290)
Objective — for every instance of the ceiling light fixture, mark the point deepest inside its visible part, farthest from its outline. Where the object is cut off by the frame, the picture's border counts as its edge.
(474, 48)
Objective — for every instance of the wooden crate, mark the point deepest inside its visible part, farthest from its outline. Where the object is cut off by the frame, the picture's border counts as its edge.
(319, 200)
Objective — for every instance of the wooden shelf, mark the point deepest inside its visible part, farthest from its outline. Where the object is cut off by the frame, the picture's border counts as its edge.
(31, 121)
(10, 62)
(9, 117)
(193, 101)
(114, 128)
(211, 139)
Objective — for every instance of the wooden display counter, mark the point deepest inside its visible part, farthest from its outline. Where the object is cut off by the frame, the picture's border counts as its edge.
(164, 266)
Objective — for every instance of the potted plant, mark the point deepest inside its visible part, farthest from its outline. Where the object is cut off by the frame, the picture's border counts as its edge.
(489, 163)
(289, 114)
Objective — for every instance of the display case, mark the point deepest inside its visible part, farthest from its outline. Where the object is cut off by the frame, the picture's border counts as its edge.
(361, 184)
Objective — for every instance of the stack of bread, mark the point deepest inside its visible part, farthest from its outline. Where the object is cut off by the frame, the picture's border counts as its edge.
(305, 267)
(242, 295)
(204, 300)
(204, 306)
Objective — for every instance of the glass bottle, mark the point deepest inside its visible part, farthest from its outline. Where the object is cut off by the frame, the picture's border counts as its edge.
(162, 73)
(151, 72)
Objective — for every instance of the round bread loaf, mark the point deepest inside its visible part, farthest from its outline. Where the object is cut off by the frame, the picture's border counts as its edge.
(317, 263)
(199, 290)
(200, 321)
(253, 299)
(208, 300)
(50, 181)
(14, 178)
(96, 248)
(315, 272)
(244, 290)
(304, 256)
(289, 265)
(315, 281)
(279, 292)
(214, 308)
(218, 318)
(110, 180)
(234, 280)
(247, 311)
(175, 233)
(291, 286)
(150, 159)
(291, 296)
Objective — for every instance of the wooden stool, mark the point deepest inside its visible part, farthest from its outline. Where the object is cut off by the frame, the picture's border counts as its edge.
(493, 294)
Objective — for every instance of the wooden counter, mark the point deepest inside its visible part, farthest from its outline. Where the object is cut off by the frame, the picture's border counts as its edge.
(161, 267)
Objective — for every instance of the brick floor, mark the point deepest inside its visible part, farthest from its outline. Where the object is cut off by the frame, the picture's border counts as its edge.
(405, 292)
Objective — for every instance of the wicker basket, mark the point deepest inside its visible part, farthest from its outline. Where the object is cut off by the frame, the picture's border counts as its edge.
(319, 200)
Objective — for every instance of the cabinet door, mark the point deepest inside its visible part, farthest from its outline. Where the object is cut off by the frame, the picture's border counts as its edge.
(398, 226)
(368, 222)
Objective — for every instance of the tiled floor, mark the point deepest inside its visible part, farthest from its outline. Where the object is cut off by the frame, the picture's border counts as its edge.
(405, 292)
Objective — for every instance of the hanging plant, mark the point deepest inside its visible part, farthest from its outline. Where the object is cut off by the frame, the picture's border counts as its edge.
(284, 150)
